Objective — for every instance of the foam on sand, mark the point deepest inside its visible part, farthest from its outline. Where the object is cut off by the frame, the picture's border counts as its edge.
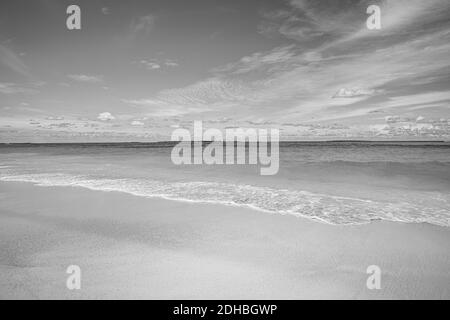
(320, 207)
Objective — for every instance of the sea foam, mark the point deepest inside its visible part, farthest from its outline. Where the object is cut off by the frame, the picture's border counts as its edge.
(320, 207)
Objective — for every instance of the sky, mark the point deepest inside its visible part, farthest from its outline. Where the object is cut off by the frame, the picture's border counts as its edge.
(138, 70)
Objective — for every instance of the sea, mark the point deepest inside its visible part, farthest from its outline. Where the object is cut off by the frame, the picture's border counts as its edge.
(336, 182)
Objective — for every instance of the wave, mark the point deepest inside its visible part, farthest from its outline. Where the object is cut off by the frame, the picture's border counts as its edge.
(330, 209)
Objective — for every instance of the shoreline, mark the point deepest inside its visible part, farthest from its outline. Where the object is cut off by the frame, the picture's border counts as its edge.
(135, 247)
(229, 203)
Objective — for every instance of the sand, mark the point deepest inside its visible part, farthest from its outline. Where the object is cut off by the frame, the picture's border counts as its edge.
(148, 248)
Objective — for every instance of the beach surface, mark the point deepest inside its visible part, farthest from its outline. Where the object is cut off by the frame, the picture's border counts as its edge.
(150, 248)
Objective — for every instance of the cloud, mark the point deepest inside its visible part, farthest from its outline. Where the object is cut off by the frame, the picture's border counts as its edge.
(13, 61)
(392, 119)
(62, 125)
(171, 63)
(54, 118)
(330, 76)
(308, 20)
(150, 65)
(259, 60)
(422, 100)
(12, 88)
(419, 118)
(299, 81)
(214, 91)
(137, 123)
(143, 24)
(85, 78)
(352, 93)
(106, 11)
(403, 13)
(105, 116)
(154, 64)
(161, 108)
(305, 20)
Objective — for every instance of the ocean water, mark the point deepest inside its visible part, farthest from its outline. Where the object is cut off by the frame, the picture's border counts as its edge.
(338, 183)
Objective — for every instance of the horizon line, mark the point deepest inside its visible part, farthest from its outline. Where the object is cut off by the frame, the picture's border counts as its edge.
(177, 141)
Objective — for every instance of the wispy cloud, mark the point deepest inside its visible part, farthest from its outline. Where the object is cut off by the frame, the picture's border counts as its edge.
(422, 100)
(322, 72)
(150, 65)
(171, 63)
(155, 64)
(86, 78)
(163, 108)
(143, 24)
(353, 92)
(12, 60)
(12, 88)
(327, 82)
(333, 22)
(260, 60)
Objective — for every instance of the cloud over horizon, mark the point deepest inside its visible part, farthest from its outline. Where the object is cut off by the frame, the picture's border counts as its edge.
(310, 64)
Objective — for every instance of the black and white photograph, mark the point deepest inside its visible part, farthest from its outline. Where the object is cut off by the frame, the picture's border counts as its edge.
(225, 150)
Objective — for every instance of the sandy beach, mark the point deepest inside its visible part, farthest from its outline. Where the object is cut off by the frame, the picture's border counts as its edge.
(136, 247)
(225, 150)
